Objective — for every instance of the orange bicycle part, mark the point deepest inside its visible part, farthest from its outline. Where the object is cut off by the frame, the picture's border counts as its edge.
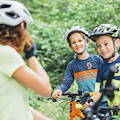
(75, 106)
(74, 111)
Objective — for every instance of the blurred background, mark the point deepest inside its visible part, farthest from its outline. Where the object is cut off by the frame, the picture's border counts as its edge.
(52, 18)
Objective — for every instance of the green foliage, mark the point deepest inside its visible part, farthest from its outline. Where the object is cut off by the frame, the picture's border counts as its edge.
(52, 18)
(34, 100)
(52, 49)
(54, 110)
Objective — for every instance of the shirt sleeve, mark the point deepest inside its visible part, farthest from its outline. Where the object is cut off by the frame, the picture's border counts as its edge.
(68, 78)
(100, 60)
(98, 82)
(10, 60)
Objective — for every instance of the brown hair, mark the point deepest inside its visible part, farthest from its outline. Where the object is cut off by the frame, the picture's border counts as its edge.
(15, 37)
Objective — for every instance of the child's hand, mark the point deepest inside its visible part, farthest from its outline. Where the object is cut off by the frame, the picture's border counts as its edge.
(88, 103)
(57, 93)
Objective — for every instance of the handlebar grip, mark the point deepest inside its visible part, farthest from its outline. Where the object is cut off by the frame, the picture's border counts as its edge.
(54, 100)
(91, 93)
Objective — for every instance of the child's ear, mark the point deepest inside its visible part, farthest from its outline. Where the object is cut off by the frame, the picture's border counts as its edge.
(117, 42)
(88, 42)
(70, 47)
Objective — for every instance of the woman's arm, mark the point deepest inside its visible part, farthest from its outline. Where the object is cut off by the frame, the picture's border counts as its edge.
(37, 115)
(35, 78)
(36, 67)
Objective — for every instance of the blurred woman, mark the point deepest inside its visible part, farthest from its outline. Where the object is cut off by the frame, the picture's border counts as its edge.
(15, 76)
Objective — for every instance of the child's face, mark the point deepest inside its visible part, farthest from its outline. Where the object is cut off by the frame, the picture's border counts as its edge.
(105, 46)
(77, 42)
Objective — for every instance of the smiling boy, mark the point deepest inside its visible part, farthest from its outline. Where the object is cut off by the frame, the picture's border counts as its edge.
(83, 68)
(107, 39)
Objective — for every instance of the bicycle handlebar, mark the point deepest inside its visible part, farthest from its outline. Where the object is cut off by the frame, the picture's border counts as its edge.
(94, 107)
(113, 69)
(69, 94)
(113, 108)
(82, 95)
(110, 108)
(107, 85)
(85, 94)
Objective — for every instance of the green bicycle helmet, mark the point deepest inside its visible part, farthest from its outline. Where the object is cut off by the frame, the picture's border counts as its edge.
(105, 29)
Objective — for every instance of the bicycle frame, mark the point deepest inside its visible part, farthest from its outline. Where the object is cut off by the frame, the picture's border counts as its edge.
(75, 111)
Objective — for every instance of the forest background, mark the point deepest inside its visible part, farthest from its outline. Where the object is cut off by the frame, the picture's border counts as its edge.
(52, 18)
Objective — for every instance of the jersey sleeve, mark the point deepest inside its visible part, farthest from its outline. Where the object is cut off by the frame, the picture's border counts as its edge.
(10, 60)
(99, 59)
(98, 84)
(68, 78)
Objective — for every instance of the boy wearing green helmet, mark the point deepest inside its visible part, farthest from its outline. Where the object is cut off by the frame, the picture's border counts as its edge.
(107, 38)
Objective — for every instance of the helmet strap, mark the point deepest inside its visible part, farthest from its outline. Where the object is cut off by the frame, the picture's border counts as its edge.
(76, 54)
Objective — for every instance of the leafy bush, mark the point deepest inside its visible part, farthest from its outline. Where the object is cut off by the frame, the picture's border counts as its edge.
(53, 18)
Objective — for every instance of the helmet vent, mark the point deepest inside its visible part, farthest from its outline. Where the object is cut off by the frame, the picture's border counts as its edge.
(4, 6)
(101, 29)
(108, 29)
(114, 31)
(26, 12)
(12, 15)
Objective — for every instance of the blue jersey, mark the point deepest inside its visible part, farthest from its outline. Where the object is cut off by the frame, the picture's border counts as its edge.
(83, 71)
(102, 76)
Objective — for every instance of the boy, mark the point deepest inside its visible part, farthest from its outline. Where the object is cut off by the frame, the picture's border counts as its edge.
(107, 38)
(83, 68)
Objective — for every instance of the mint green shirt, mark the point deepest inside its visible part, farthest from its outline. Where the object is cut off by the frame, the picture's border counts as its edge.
(13, 95)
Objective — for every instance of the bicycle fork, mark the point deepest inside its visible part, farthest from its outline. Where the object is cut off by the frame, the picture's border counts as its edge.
(74, 111)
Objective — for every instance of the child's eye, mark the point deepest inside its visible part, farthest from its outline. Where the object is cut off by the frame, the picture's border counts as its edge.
(73, 42)
(80, 40)
(106, 43)
(98, 46)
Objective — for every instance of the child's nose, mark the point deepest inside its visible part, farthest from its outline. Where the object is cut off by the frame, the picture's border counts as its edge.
(77, 43)
(102, 47)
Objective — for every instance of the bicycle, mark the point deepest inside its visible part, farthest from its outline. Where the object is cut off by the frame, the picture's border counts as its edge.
(73, 110)
(101, 116)
(107, 90)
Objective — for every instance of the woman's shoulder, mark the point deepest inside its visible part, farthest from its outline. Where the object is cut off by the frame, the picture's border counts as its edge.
(8, 52)
(7, 48)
